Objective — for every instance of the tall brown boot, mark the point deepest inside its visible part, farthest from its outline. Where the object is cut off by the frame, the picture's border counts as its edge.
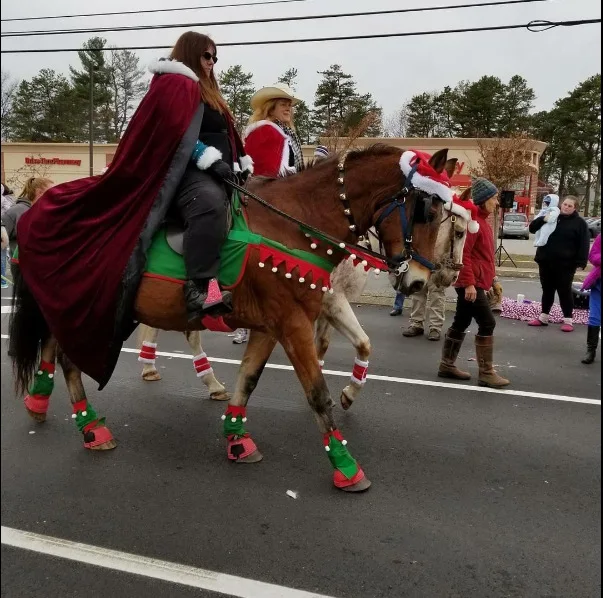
(484, 348)
(450, 351)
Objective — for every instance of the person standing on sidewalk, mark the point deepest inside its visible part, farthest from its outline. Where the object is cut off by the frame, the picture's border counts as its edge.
(593, 282)
(398, 305)
(429, 302)
(475, 278)
(565, 250)
(8, 201)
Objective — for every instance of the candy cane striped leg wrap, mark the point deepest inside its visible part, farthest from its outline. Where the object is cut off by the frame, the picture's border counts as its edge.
(148, 353)
(202, 365)
(359, 372)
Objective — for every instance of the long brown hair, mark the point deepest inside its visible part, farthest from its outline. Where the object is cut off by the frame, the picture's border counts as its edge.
(188, 50)
(33, 186)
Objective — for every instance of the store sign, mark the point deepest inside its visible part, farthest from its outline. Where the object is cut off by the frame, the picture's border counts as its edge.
(51, 161)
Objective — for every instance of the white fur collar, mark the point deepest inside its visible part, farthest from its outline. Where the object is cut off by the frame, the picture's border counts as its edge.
(173, 67)
(260, 123)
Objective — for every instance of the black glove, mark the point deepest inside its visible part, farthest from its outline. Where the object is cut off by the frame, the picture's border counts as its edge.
(221, 170)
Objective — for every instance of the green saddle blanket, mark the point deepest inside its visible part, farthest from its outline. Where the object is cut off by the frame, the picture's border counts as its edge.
(163, 261)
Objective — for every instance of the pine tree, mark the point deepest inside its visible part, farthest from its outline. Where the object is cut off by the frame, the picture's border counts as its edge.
(237, 88)
(517, 102)
(43, 110)
(422, 117)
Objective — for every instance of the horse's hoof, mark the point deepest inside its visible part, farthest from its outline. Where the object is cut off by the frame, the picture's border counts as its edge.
(105, 446)
(243, 450)
(346, 402)
(151, 376)
(359, 483)
(255, 457)
(38, 417)
(99, 439)
(221, 395)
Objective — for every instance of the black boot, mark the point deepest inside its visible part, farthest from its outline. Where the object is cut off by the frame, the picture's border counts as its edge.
(197, 305)
(592, 342)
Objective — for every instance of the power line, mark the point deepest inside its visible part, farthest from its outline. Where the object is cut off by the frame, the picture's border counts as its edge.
(532, 26)
(262, 20)
(137, 12)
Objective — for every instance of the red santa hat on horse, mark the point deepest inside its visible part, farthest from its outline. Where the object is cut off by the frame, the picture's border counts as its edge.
(427, 179)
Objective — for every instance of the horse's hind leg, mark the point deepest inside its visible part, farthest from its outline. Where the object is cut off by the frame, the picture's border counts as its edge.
(241, 447)
(148, 347)
(340, 314)
(217, 392)
(322, 336)
(96, 434)
(297, 340)
(38, 397)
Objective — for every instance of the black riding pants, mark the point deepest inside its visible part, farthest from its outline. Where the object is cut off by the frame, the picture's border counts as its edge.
(203, 204)
(557, 276)
(479, 310)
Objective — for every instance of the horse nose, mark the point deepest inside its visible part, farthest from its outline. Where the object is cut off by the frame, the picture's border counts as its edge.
(415, 286)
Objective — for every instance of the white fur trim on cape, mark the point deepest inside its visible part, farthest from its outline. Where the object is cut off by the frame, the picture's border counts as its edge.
(246, 164)
(422, 182)
(260, 123)
(172, 67)
(455, 208)
(208, 157)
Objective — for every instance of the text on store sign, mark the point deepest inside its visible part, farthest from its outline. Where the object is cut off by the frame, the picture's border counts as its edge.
(51, 161)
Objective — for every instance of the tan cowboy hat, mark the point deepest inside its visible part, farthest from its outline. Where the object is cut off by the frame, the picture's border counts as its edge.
(273, 92)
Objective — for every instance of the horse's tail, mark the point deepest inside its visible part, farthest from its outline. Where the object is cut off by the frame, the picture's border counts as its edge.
(28, 333)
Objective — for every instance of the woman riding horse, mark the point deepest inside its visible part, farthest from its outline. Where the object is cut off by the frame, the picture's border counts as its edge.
(179, 147)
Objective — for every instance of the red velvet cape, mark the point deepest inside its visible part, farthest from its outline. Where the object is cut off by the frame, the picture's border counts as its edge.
(75, 242)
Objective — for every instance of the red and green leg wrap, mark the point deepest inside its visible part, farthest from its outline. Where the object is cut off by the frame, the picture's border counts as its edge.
(347, 471)
(90, 425)
(240, 444)
(39, 392)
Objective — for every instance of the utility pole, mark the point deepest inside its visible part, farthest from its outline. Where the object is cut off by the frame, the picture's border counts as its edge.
(91, 120)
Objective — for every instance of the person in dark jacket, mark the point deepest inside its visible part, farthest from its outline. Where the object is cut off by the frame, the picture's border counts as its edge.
(565, 250)
(475, 279)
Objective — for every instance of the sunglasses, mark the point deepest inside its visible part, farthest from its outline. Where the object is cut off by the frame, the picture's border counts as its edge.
(209, 56)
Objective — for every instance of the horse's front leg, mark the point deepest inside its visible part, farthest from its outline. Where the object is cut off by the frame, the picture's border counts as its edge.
(241, 448)
(340, 314)
(297, 340)
(148, 349)
(38, 396)
(217, 392)
(96, 434)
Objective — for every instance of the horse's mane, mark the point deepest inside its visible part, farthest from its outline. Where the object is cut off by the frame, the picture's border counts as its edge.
(377, 149)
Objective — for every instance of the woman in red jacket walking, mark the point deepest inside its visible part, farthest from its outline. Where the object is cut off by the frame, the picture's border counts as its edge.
(474, 281)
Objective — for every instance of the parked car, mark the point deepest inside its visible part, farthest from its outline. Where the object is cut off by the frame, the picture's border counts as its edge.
(594, 226)
(515, 225)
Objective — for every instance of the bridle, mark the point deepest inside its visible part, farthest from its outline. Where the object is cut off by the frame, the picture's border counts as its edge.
(388, 206)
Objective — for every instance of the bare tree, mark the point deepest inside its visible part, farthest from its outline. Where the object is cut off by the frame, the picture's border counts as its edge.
(36, 168)
(396, 124)
(504, 161)
(9, 88)
(337, 143)
(127, 87)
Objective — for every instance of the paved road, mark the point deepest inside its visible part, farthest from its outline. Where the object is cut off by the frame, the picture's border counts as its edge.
(474, 493)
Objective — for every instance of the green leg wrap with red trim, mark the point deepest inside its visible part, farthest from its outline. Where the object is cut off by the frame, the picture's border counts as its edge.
(240, 444)
(39, 393)
(347, 471)
(90, 425)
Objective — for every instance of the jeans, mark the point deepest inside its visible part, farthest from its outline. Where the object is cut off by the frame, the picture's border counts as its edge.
(594, 315)
(479, 310)
(557, 277)
(399, 301)
(4, 260)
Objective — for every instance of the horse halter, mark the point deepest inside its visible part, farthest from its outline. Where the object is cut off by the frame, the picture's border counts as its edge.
(449, 262)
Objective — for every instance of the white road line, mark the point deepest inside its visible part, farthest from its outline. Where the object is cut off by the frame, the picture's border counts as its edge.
(7, 309)
(415, 381)
(147, 567)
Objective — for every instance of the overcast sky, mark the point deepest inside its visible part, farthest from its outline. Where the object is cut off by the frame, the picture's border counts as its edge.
(392, 70)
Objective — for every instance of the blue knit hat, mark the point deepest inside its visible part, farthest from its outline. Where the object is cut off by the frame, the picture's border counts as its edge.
(482, 190)
(321, 152)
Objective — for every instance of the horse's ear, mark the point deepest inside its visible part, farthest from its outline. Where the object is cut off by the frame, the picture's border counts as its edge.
(466, 194)
(438, 160)
(450, 166)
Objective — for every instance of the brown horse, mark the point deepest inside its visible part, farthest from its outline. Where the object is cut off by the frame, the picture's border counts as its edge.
(343, 199)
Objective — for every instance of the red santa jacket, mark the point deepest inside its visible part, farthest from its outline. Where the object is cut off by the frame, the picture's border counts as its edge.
(479, 269)
(268, 146)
